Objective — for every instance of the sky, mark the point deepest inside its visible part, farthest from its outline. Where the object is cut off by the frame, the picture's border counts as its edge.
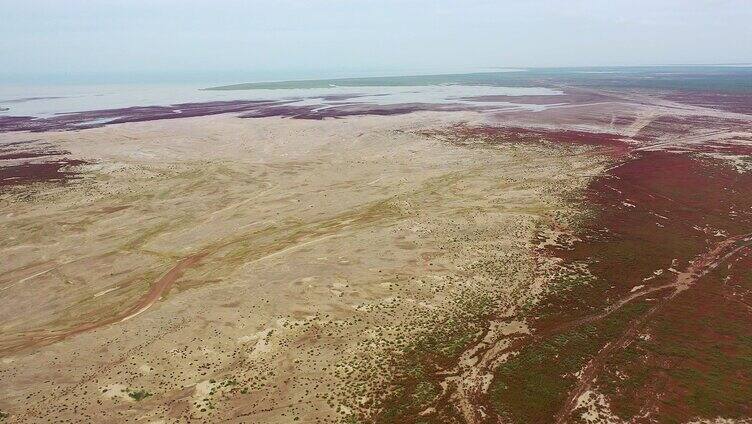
(237, 40)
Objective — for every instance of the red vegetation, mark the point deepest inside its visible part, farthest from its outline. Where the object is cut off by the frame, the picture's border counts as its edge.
(659, 212)
(662, 228)
(731, 102)
(608, 144)
(567, 98)
(248, 108)
(28, 162)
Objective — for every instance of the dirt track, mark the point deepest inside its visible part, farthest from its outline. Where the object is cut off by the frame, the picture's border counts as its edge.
(684, 280)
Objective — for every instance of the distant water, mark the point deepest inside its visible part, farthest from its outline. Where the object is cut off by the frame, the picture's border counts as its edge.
(46, 100)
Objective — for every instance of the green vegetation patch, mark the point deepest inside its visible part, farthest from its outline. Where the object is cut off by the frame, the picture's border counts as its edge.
(533, 385)
(139, 395)
(417, 385)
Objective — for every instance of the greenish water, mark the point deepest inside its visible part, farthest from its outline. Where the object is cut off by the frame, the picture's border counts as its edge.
(704, 78)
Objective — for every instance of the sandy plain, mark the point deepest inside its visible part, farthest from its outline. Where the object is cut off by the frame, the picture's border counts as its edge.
(217, 269)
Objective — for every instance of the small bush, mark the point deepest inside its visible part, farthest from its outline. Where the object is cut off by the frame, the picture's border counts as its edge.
(139, 395)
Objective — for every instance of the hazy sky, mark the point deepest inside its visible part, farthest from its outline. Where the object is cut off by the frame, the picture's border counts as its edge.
(73, 37)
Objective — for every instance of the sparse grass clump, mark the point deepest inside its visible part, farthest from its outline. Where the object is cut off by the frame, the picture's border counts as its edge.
(438, 348)
(139, 395)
